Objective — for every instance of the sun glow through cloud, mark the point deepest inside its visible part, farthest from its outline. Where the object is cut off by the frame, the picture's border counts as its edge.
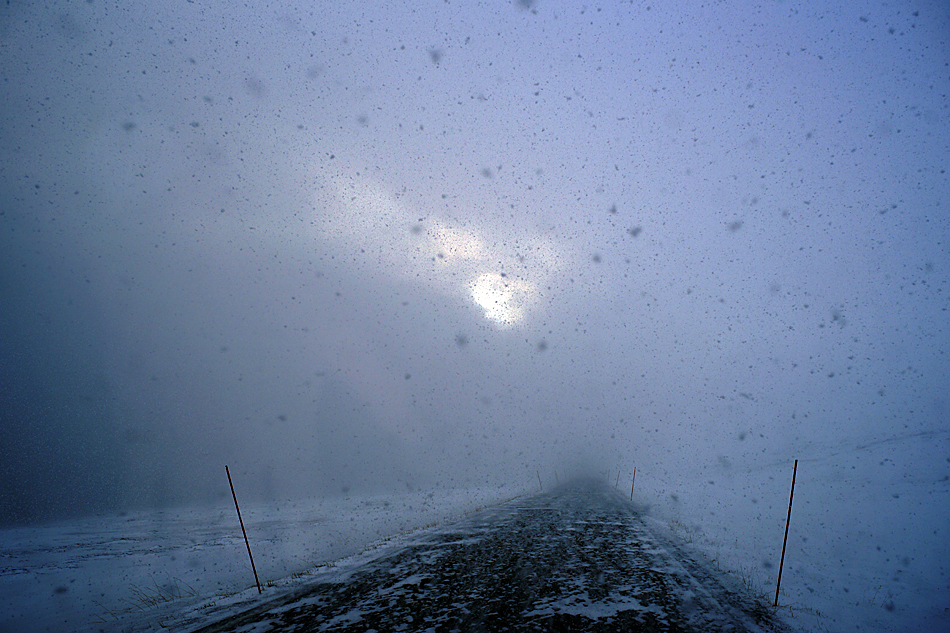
(503, 299)
(446, 255)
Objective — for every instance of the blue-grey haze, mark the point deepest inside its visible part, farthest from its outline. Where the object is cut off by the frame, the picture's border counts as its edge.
(351, 246)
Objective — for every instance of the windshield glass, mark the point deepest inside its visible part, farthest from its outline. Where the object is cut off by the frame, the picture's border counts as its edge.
(354, 249)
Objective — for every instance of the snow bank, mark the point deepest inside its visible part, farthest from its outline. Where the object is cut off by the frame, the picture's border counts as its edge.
(868, 544)
(103, 573)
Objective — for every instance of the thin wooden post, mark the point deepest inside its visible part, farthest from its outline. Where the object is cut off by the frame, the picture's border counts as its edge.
(246, 542)
(617, 483)
(539, 480)
(633, 482)
(785, 542)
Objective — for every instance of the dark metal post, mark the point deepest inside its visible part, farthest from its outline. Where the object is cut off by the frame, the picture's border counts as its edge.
(246, 542)
(539, 480)
(633, 482)
(785, 542)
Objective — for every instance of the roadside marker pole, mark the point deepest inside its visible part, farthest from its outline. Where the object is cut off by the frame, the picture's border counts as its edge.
(633, 482)
(539, 480)
(785, 542)
(246, 542)
(617, 483)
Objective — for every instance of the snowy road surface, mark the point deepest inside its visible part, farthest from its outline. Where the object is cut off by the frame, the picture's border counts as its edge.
(577, 558)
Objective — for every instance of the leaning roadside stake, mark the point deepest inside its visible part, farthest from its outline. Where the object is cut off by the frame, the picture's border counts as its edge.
(246, 542)
(785, 542)
(633, 482)
(539, 480)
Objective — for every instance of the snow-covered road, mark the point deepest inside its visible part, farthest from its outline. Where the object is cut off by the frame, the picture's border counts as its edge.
(578, 558)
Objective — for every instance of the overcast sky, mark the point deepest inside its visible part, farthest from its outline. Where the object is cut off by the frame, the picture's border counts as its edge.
(350, 246)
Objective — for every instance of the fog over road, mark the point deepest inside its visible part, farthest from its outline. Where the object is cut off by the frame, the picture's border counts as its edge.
(578, 558)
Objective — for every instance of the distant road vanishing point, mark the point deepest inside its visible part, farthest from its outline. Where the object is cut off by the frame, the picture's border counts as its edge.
(578, 558)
